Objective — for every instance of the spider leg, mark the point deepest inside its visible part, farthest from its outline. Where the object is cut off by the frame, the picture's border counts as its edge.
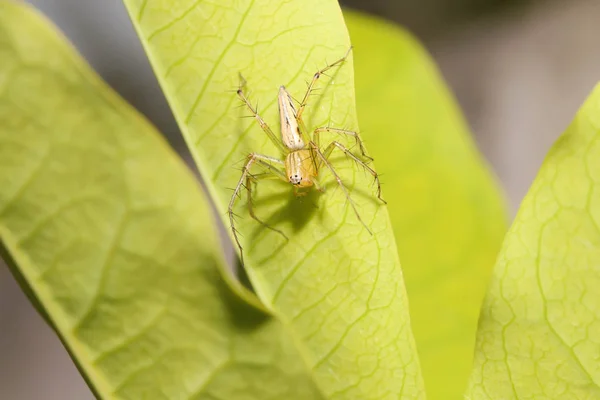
(318, 185)
(315, 78)
(268, 162)
(355, 135)
(254, 179)
(326, 162)
(261, 122)
(357, 160)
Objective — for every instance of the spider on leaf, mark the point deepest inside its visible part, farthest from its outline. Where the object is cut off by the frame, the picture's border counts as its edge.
(302, 156)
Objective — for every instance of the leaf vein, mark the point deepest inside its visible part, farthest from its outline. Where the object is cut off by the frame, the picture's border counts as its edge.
(217, 63)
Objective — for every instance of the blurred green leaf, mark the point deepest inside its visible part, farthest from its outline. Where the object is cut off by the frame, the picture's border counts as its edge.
(446, 210)
(540, 323)
(111, 234)
(338, 289)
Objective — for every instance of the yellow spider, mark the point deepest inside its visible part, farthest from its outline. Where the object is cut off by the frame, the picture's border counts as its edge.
(302, 155)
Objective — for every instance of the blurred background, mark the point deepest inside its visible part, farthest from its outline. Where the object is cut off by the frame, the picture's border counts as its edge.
(519, 69)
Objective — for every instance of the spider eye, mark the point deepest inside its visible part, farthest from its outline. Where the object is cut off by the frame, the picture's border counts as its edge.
(295, 179)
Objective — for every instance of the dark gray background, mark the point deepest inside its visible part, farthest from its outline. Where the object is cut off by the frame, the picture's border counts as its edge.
(519, 68)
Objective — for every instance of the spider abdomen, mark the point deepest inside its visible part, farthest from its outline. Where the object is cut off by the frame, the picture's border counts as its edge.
(291, 135)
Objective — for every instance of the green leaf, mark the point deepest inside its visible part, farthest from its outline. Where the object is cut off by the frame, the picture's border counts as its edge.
(337, 289)
(540, 323)
(113, 238)
(446, 210)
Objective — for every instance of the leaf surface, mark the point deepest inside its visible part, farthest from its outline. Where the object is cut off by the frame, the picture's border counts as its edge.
(337, 289)
(539, 333)
(446, 209)
(113, 239)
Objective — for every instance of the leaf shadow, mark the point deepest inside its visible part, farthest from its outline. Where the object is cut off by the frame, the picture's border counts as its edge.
(243, 316)
(294, 212)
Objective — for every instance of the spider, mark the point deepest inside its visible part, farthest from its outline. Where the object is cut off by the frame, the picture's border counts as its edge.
(302, 155)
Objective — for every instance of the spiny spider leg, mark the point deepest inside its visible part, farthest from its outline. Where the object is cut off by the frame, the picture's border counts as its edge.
(252, 158)
(261, 122)
(357, 160)
(325, 161)
(356, 136)
(315, 78)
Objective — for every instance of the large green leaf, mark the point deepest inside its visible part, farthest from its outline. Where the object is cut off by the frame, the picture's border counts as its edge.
(539, 334)
(446, 210)
(111, 235)
(338, 289)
